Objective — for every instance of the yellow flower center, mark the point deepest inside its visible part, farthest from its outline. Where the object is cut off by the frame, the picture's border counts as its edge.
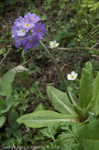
(32, 19)
(26, 24)
(72, 76)
(38, 30)
(22, 31)
(21, 38)
(54, 44)
(24, 20)
(31, 40)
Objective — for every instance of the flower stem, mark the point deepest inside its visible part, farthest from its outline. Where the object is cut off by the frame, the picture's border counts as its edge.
(58, 70)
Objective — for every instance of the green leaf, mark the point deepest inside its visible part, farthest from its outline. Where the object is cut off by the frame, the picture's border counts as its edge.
(95, 110)
(83, 112)
(2, 121)
(44, 118)
(60, 100)
(95, 6)
(9, 102)
(89, 67)
(13, 116)
(32, 68)
(17, 133)
(96, 91)
(85, 89)
(50, 131)
(72, 96)
(40, 107)
(2, 104)
(89, 136)
(79, 110)
(5, 84)
(12, 119)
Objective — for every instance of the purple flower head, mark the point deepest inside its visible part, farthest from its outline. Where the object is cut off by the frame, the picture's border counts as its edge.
(32, 17)
(19, 20)
(20, 41)
(26, 25)
(27, 31)
(13, 31)
(32, 41)
(39, 29)
(21, 32)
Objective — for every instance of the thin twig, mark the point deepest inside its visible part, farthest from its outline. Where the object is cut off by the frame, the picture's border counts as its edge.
(95, 45)
(4, 57)
(74, 49)
(26, 62)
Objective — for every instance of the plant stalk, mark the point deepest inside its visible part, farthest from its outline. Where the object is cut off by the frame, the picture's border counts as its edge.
(58, 70)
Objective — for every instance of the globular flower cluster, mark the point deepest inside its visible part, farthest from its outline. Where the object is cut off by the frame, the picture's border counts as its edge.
(27, 31)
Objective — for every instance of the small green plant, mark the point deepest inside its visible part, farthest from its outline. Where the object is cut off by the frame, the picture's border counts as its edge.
(88, 102)
(5, 90)
(92, 5)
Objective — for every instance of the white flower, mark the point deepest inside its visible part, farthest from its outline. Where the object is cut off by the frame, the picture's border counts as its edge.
(72, 76)
(53, 44)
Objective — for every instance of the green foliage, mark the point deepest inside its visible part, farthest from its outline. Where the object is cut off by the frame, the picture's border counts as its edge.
(13, 129)
(85, 89)
(5, 90)
(44, 118)
(64, 137)
(5, 3)
(89, 136)
(7, 104)
(13, 116)
(50, 131)
(96, 91)
(2, 104)
(5, 107)
(40, 107)
(9, 101)
(32, 68)
(8, 4)
(95, 6)
(35, 90)
(2, 121)
(72, 96)
(76, 26)
(92, 5)
(68, 137)
(6, 83)
(89, 67)
(60, 101)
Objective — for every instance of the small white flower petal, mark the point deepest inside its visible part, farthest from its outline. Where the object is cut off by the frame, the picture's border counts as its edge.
(76, 75)
(57, 44)
(73, 73)
(69, 76)
(51, 42)
(74, 78)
